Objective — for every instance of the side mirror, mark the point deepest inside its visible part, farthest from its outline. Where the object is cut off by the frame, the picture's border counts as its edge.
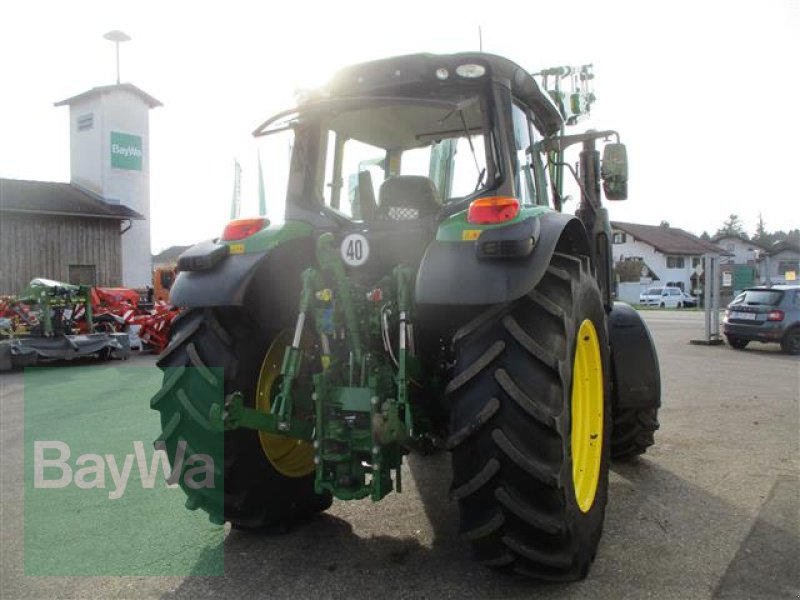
(614, 172)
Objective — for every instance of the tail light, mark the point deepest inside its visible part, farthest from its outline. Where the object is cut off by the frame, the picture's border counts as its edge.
(775, 315)
(239, 229)
(494, 209)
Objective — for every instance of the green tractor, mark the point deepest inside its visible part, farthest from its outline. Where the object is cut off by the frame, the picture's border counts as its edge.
(423, 290)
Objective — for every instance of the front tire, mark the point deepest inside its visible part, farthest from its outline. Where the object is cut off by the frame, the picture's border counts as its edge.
(207, 343)
(530, 438)
(634, 432)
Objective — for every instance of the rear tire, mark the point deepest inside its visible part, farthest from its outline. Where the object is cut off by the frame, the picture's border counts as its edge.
(737, 343)
(255, 494)
(511, 424)
(790, 343)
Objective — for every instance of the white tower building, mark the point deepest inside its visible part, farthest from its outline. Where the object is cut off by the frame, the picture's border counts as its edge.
(110, 158)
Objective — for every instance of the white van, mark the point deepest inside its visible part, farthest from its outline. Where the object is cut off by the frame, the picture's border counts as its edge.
(663, 297)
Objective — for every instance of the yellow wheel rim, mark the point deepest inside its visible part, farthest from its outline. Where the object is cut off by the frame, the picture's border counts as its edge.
(289, 456)
(587, 416)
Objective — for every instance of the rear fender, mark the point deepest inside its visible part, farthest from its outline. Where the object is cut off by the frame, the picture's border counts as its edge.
(634, 362)
(266, 284)
(452, 273)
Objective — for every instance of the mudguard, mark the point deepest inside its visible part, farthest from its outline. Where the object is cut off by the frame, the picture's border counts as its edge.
(224, 284)
(634, 362)
(455, 273)
(265, 282)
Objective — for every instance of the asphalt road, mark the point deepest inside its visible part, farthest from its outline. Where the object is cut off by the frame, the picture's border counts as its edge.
(710, 512)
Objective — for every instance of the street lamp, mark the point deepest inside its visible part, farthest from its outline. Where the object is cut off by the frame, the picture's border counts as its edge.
(117, 36)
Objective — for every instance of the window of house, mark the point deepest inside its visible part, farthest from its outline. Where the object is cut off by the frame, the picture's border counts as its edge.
(696, 260)
(619, 238)
(83, 274)
(787, 265)
(675, 262)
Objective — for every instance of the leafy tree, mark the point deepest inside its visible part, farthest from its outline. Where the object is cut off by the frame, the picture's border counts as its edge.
(704, 236)
(732, 227)
(665, 224)
(629, 270)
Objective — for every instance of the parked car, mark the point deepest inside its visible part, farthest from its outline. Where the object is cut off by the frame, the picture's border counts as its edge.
(688, 299)
(764, 314)
(663, 297)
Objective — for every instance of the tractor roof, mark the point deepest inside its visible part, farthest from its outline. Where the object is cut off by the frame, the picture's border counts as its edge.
(409, 73)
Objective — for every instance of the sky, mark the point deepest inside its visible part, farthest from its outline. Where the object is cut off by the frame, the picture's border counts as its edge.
(703, 93)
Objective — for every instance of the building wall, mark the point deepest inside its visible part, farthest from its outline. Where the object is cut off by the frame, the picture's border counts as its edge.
(769, 268)
(744, 253)
(657, 261)
(45, 246)
(86, 146)
(118, 111)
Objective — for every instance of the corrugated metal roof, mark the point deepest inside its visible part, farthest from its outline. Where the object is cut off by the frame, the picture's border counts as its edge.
(669, 240)
(50, 197)
(129, 87)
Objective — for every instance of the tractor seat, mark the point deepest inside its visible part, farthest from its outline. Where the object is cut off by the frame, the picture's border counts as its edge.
(408, 198)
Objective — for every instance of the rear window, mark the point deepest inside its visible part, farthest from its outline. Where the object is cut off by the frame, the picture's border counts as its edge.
(759, 297)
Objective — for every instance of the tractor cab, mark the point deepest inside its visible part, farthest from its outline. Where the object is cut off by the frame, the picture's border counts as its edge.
(392, 148)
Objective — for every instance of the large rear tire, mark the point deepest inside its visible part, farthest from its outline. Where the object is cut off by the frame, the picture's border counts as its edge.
(255, 493)
(530, 423)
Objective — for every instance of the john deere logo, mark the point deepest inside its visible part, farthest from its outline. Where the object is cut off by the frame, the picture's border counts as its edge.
(126, 151)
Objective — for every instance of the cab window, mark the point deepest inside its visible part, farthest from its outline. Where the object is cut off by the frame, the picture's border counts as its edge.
(523, 152)
(530, 173)
(342, 193)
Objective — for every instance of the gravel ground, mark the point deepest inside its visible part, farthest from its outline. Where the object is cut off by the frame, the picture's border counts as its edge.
(710, 512)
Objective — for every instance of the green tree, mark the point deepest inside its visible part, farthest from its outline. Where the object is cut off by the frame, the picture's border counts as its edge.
(761, 236)
(629, 270)
(732, 227)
